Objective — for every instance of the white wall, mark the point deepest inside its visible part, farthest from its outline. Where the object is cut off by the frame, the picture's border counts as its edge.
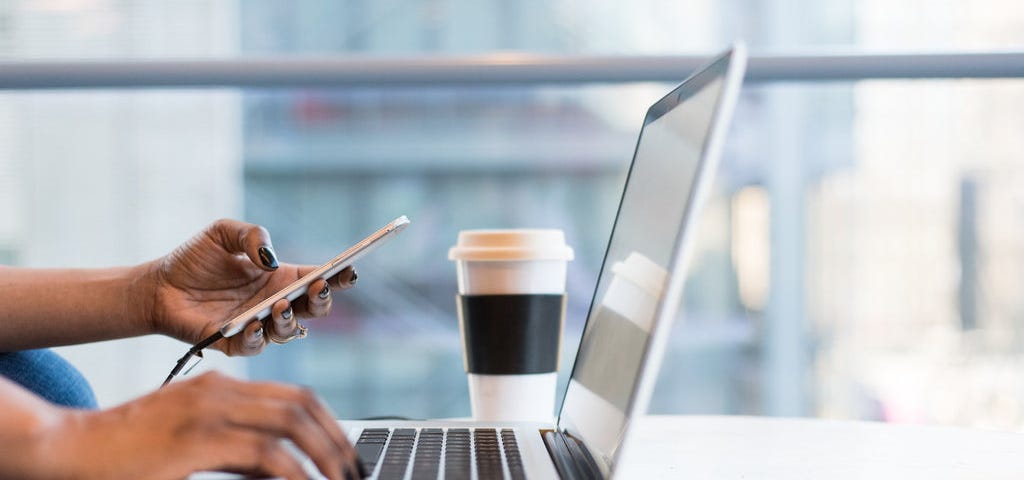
(115, 177)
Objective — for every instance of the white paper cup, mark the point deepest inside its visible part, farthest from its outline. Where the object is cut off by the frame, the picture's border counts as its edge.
(511, 314)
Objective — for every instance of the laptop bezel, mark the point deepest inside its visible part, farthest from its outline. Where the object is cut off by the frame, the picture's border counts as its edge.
(730, 67)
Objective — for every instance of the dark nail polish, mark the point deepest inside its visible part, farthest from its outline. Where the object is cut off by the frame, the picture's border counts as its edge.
(268, 258)
(362, 470)
(325, 292)
(287, 313)
(355, 276)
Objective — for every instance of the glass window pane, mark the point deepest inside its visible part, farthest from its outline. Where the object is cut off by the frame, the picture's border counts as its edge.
(861, 257)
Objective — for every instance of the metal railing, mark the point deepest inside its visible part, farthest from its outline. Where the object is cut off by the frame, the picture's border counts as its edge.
(494, 69)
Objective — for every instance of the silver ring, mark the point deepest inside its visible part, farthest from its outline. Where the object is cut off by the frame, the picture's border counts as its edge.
(300, 332)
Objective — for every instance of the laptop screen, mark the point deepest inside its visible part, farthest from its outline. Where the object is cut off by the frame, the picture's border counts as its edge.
(666, 166)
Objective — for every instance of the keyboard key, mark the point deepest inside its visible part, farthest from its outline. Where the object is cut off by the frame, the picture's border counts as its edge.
(489, 450)
(488, 456)
(512, 456)
(370, 445)
(397, 454)
(427, 463)
(369, 452)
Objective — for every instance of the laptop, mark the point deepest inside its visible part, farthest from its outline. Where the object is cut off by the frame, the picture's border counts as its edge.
(637, 295)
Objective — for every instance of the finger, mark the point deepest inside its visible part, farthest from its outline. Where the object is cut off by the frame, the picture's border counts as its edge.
(284, 321)
(353, 473)
(318, 299)
(277, 461)
(343, 280)
(250, 342)
(290, 420)
(305, 397)
(252, 452)
(252, 240)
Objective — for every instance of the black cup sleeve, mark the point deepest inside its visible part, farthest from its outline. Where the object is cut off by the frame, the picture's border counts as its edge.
(511, 334)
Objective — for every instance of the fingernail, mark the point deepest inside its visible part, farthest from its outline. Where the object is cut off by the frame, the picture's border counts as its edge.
(355, 276)
(362, 470)
(268, 258)
(258, 333)
(325, 292)
(287, 313)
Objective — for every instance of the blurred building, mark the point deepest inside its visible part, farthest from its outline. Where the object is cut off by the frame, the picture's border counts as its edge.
(323, 167)
(862, 256)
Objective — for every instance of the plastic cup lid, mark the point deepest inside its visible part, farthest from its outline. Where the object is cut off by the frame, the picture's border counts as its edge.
(511, 245)
(642, 272)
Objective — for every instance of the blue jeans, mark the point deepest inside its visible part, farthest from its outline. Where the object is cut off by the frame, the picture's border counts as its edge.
(48, 375)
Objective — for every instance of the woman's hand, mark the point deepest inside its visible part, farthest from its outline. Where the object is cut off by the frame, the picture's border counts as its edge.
(211, 422)
(227, 268)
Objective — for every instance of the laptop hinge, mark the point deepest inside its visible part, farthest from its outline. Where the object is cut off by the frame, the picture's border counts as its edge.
(570, 456)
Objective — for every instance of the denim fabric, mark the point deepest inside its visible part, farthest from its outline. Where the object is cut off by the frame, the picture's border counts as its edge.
(48, 375)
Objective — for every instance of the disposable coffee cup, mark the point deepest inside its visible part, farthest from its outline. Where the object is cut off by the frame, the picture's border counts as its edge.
(511, 306)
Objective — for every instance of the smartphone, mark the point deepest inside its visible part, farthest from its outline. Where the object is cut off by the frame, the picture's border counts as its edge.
(299, 287)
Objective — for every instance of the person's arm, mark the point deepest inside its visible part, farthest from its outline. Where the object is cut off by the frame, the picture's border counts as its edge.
(210, 422)
(50, 307)
(186, 294)
(25, 423)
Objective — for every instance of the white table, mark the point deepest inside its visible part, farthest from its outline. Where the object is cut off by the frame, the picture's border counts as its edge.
(715, 447)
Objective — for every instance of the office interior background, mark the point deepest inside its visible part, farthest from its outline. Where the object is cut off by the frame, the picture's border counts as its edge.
(862, 256)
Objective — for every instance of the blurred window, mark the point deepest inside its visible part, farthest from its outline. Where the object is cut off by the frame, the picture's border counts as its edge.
(862, 256)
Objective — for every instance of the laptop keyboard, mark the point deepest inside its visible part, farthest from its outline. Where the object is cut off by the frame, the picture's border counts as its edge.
(448, 453)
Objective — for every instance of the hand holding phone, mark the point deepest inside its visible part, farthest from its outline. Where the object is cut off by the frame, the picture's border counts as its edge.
(299, 287)
(293, 291)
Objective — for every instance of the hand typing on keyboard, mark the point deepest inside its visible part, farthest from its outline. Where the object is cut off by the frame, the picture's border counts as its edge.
(210, 422)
